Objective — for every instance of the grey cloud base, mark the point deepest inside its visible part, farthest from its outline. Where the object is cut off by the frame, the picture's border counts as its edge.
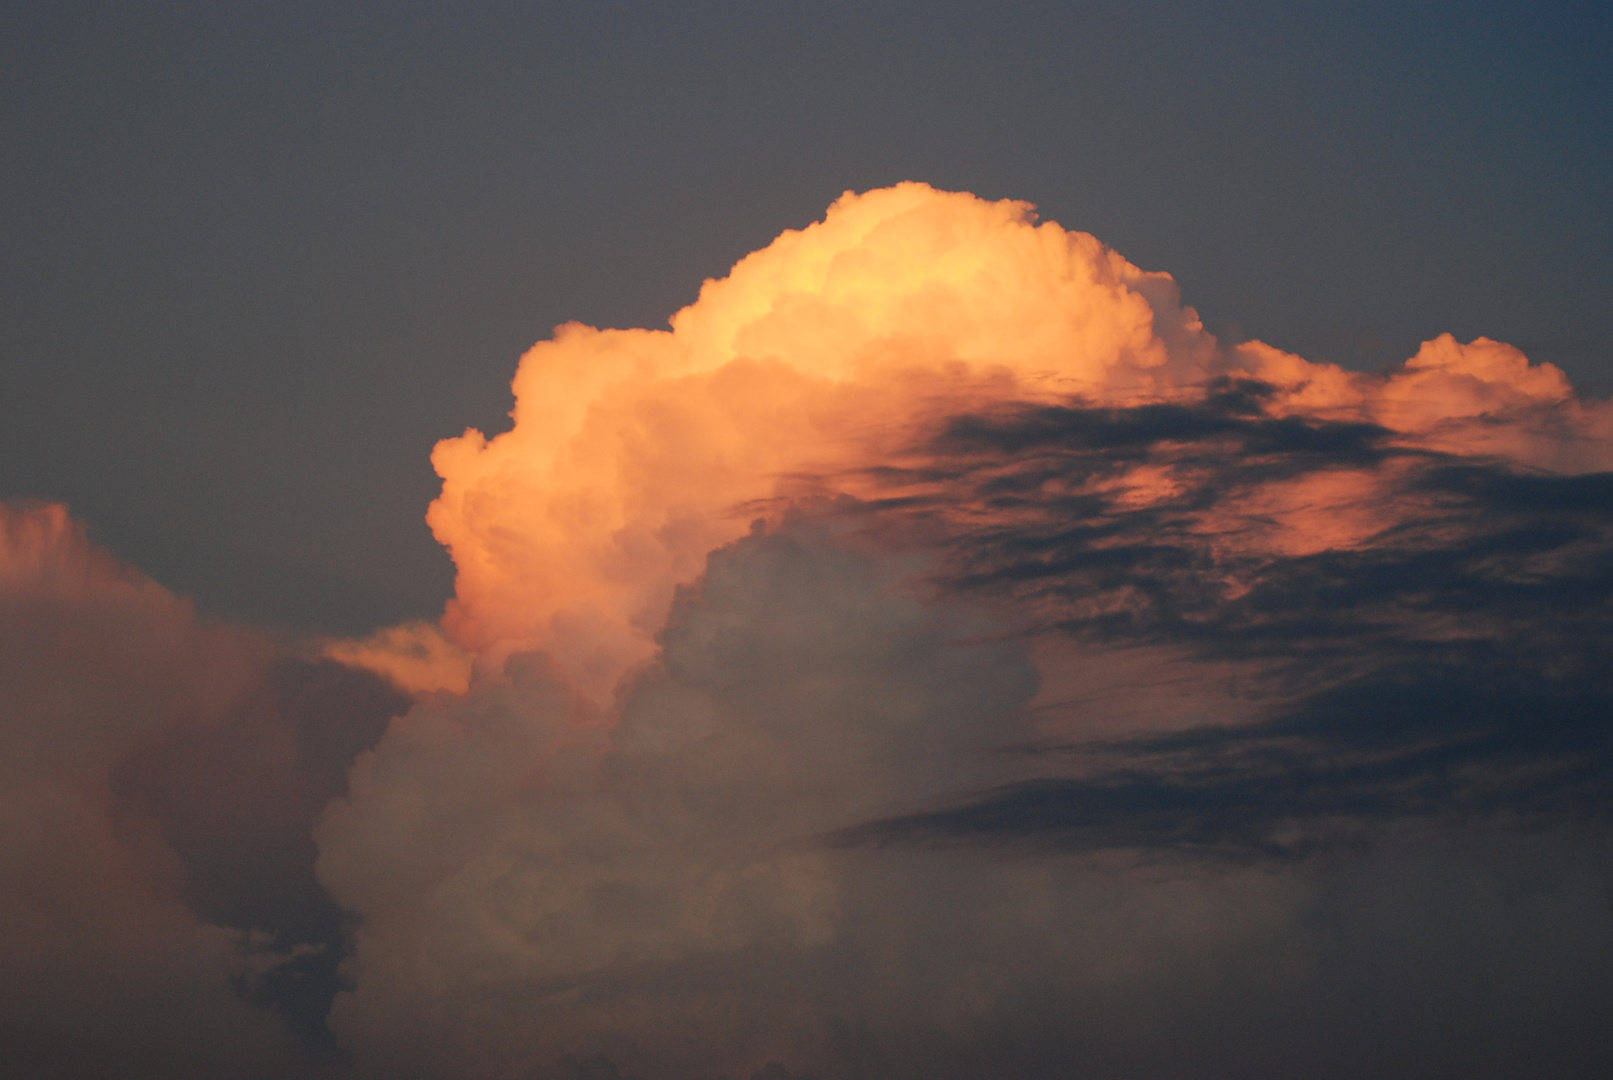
(726, 884)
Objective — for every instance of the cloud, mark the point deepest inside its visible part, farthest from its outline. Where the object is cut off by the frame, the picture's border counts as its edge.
(414, 656)
(635, 452)
(933, 656)
(718, 880)
(162, 777)
(105, 967)
(1430, 630)
(533, 882)
(235, 796)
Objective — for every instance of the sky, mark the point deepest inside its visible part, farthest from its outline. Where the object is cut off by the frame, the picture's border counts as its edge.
(782, 540)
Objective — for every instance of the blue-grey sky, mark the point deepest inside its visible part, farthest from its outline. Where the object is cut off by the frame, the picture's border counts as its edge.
(255, 259)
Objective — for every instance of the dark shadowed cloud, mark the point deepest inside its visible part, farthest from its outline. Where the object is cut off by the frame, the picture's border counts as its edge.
(1452, 665)
(236, 797)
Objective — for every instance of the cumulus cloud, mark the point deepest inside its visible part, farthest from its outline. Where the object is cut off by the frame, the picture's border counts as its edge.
(544, 880)
(635, 452)
(829, 828)
(105, 968)
(933, 656)
(160, 783)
